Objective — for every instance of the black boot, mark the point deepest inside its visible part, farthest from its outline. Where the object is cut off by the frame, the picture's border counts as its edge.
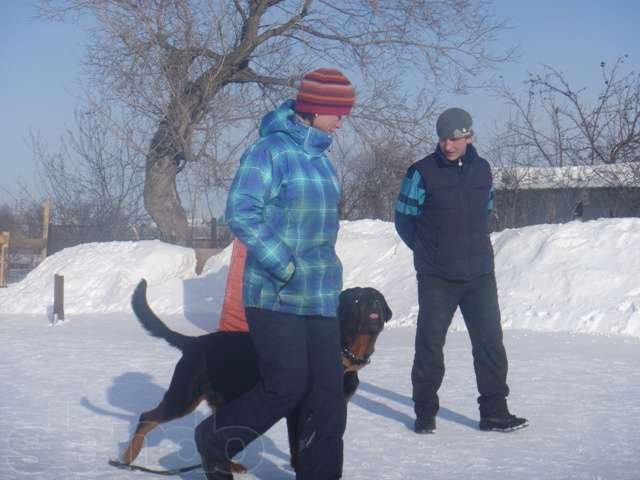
(503, 423)
(425, 424)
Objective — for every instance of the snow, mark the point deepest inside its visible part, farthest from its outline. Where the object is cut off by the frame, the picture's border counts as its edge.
(577, 277)
(570, 299)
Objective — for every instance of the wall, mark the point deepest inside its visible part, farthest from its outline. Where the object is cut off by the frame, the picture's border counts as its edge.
(515, 208)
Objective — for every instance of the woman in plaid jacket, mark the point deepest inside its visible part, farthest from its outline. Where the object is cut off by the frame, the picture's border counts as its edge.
(283, 206)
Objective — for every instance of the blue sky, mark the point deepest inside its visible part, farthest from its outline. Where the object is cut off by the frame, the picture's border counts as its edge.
(39, 65)
(39, 62)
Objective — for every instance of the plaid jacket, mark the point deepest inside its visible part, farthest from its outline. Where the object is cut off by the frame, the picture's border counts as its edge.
(283, 205)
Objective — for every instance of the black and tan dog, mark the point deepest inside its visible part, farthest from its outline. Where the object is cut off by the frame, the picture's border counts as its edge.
(220, 366)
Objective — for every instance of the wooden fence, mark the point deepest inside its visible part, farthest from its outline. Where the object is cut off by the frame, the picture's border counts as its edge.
(19, 244)
(20, 254)
(4, 258)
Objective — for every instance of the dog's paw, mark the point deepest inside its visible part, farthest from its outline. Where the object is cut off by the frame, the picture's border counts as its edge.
(237, 468)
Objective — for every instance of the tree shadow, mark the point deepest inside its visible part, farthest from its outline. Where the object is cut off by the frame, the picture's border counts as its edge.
(134, 392)
(386, 411)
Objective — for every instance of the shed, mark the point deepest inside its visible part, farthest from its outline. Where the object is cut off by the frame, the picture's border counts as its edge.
(535, 195)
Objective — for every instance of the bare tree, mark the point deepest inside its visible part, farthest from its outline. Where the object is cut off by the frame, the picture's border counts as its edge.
(95, 179)
(590, 141)
(22, 218)
(371, 179)
(559, 125)
(7, 218)
(196, 73)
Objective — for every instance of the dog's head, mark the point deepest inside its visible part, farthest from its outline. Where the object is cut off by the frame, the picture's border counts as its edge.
(362, 313)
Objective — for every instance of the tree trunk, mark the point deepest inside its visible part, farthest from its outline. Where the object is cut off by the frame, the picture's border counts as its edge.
(161, 197)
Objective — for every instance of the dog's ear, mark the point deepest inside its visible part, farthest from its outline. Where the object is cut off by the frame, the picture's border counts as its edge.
(387, 311)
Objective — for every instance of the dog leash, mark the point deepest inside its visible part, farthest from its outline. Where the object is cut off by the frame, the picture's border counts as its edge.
(140, 468)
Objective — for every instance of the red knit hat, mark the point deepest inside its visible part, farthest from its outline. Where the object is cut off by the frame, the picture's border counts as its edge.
(325, 91)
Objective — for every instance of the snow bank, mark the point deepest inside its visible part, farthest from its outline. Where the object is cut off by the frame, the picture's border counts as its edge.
(99, 277)
(582, 277)
(577, 277)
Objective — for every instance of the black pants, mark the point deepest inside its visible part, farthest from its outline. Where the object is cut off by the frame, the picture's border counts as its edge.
(301, 370)
(478, 302)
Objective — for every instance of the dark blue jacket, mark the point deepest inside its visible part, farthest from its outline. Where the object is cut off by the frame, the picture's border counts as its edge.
(441, 214)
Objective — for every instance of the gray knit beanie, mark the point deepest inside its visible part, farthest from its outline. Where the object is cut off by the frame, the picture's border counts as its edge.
(454, 123)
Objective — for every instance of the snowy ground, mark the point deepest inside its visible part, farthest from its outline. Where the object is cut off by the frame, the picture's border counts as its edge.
(71, 392)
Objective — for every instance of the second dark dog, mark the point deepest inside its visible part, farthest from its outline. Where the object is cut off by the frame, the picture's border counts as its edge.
(220, 366)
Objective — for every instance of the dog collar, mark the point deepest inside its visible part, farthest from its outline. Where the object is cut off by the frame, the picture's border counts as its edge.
(352, 357)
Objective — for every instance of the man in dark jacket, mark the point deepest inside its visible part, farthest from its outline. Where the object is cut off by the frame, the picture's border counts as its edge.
(442, 214)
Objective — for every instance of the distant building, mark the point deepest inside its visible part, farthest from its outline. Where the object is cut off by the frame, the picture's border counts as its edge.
(536, 195)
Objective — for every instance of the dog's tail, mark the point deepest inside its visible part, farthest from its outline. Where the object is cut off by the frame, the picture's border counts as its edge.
(152, 323)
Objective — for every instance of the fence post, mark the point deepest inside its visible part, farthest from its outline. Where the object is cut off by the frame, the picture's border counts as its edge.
(4, 258)
(214, 233)
(58, 297)
(46, 209)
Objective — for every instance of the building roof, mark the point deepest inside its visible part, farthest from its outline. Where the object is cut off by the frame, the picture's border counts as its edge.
(583, 176)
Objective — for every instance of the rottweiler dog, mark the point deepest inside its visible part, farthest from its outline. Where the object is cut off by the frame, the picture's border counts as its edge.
(220, 366)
